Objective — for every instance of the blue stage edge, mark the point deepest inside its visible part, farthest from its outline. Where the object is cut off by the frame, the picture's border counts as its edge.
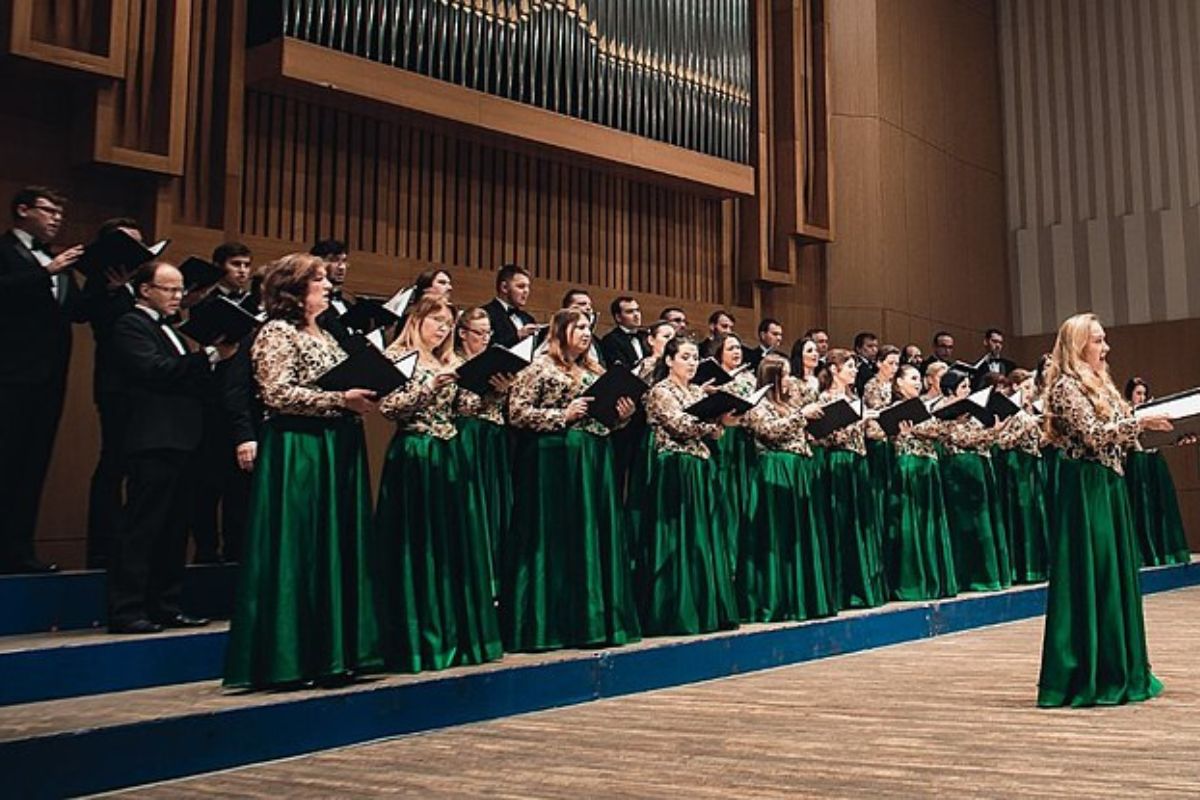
(99, 759)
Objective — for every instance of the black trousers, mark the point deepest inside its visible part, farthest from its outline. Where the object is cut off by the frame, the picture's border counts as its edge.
(104, 495)
(29, 416)
(222, 492)
(145, 575)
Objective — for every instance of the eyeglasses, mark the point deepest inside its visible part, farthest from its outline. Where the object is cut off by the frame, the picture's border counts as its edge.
(171, 290)
(484, 334)
(54, 212)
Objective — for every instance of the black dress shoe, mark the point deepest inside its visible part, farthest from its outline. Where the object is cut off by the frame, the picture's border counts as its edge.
(182, 621)
(136, 626)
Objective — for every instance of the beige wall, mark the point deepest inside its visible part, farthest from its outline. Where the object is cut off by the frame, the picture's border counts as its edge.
(1102, 138)
(918, 162)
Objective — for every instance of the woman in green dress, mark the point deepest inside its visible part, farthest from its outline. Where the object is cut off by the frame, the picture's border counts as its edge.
(1152, 497)
(441, 608)
(483, 438)
(307, 605)
(687, 585)
(972, 496)
(877, 394)
(566, 579)
(783, 563)
(920, 558)
(661, 332)
(733, 453)
(1021, 473)
(853, 515)
(1094, 648)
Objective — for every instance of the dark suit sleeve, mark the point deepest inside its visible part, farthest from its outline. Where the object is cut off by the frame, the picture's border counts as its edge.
(19, 281)
(136, 345)
(611, 347)
(237, 393)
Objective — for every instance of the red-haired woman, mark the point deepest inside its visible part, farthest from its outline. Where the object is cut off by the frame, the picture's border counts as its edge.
(566, 577)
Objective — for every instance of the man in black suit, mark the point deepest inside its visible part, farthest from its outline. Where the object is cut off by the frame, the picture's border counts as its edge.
(770, 336)
(866, 348)
(510, 321)
(163, 385)
(221, 495)
(992, 363)
(626, 343)
(108, 296)
(943, 350)
(38, 302)
(720, 321)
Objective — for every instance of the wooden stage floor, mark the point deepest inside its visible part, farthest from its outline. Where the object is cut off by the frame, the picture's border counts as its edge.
(949, 716)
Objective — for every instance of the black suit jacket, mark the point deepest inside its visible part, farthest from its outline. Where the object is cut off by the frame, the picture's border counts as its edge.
(866, 371)
(504, 332)
(754, 356)
(35, 327)
(617, 347)
(104, 308)
(163, 390)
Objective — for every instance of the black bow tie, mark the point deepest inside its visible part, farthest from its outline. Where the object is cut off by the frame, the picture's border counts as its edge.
(38, 246)
(167, 322)
(335, 294)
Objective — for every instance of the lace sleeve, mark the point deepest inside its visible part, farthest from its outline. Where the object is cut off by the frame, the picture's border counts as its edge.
(1075, 412)
(277, 355)
(665, 410)
(775, 428)
(526, 407)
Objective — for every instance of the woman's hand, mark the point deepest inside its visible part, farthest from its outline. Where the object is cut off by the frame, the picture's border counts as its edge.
(246, 453)
(577, 408)
(501, 382)
(1158, 423)
(812, 411)
(625, 408)
(360, 401)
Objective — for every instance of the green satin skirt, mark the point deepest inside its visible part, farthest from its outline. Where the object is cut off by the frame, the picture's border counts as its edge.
(920, 558)
(567, 579)
(1094, 649)
(687, 584)
(308, 602)
(880, 460)
(441, 609)
(641, 469)
(784, 570)
(1155, 509)
(734, 456)
(976, 518)
(483, 449)
(855, 531)
(1022, 481)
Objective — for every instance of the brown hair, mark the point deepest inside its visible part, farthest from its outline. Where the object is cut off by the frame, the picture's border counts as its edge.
(560, 328)
(836, 357)
(285, 286)
(771, 372)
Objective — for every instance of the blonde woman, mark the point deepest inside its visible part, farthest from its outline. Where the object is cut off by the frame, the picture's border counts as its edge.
(1094, 650)
(441, 604)
(566, 579)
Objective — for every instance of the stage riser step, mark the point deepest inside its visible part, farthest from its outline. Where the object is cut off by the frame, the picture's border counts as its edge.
(124, 663)
(88, 761)
(76, 600)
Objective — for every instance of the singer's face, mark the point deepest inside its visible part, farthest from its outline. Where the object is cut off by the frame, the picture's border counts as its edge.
(337, 267)
(237, 272)
(42, 219)
(435, 328)
(579, 337)
(441, 286)
(1139, 395)
(811, 355)
(164, 292)
(888, 367)
(683, 365)
(908, 382)
(629, 314)
(317, 299)
(658, 341)
(731, 353)
(516, 291)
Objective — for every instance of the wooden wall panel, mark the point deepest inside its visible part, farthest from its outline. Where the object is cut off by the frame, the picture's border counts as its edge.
(465, 205)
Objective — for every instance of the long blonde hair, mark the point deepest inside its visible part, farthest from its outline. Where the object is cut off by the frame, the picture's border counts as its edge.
(1066, 359)
(560, 331)
(410, 338)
